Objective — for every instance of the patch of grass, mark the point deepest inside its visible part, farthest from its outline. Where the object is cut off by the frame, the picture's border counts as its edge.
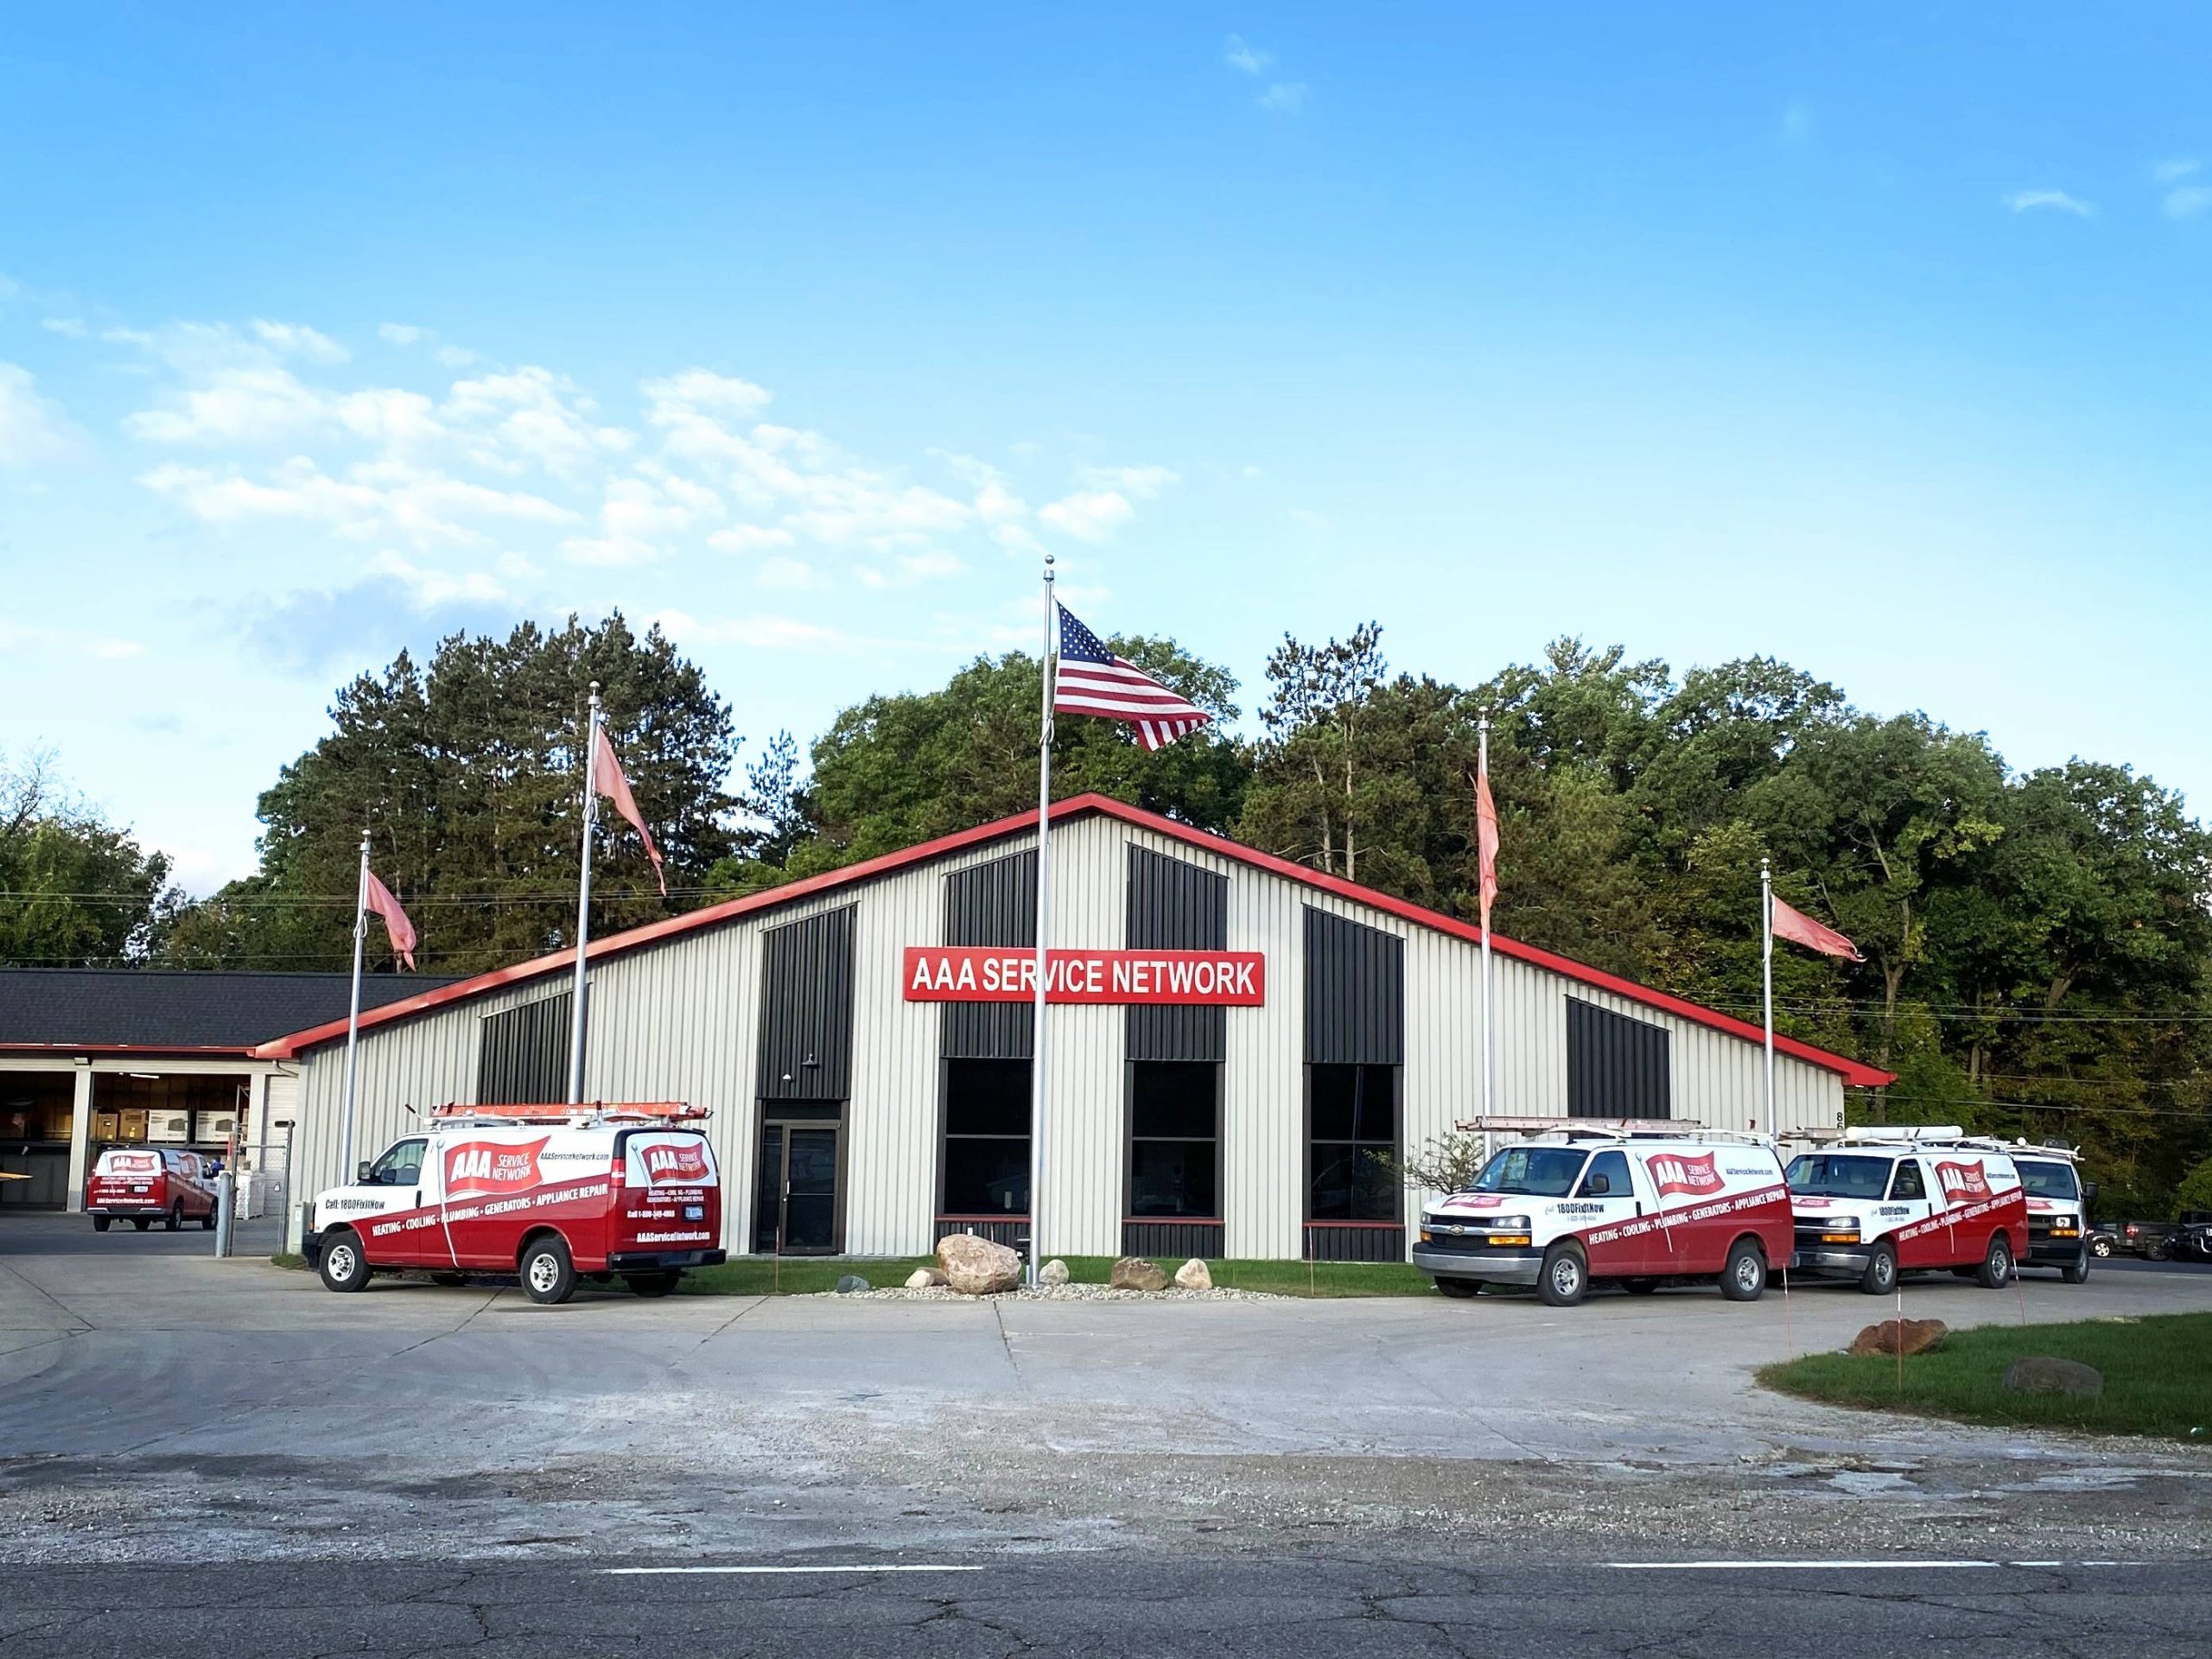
(2158, 1375)
(288, 1259)
(799, 1275)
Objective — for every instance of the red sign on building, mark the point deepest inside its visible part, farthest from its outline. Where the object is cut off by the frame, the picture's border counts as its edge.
(987, 973)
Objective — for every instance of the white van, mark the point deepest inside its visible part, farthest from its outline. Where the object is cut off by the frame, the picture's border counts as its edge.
(1874, 1203)
(1558, 1210)
(550, 1193)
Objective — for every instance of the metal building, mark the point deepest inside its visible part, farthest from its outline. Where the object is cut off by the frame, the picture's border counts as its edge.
(1238, 1045)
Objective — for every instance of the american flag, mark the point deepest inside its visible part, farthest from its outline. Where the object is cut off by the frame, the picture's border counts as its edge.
(1094, 680)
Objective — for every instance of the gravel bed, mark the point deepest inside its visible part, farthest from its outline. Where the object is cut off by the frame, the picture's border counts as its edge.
(1054, 1293)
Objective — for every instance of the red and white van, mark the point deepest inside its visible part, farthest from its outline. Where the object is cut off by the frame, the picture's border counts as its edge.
(546, 1192)
(1558, 1210)
(1878, 1202)
(144, 1184)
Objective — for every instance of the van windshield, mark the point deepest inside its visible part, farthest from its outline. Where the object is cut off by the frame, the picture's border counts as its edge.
(2047, 1180)
(1828, 1175)
(1538, 1171)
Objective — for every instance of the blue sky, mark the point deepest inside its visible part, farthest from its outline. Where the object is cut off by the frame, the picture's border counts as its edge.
(1877, 341)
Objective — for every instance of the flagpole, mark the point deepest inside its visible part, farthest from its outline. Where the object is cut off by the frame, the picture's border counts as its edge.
(354, 1017)
(583, 905)
(1037, 1070)
(1490, 1010)
(1766, 970)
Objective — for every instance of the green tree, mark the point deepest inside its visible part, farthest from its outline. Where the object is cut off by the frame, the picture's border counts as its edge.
(468, 778)
(75, 891)
(897, 770)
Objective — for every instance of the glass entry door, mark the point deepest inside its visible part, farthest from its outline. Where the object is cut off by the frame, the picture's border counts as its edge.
(795, 1207)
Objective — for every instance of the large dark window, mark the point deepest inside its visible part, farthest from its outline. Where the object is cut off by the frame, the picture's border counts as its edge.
(522, 1056)
(1174, 1138)
(1352, 1142)
(986, 1138)
(1616, 1067)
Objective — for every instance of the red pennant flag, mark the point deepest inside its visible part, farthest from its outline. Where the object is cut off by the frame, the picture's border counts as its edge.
(616, 787)
(1795, 925)
(397, 927)
(1486, 842)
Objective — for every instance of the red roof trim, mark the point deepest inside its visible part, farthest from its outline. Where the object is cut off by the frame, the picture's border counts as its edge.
(1853, 1072)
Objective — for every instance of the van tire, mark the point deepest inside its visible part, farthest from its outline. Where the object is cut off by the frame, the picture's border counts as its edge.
(100, 1223)
(2077, 1271)
(1880, 1277)
(653, 1284)
(142, 1222)
(1459, 1289)
(175, 1219)
(1743, 1279)
(548, 1275)
(1564, 1279)
(207, 1221)
(341, 1264)
(1997, 1265)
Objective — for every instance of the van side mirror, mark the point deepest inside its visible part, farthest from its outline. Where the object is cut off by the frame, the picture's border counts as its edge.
(1599, 1186)
(361, 1175)
(2089, 1193)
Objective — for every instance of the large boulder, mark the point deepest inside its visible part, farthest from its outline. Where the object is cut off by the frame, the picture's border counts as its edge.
(1134, 1273)
(975, 1267)
(1054, 1272)
(1900, 1336)
(2045, 1373)
(1192, 1275)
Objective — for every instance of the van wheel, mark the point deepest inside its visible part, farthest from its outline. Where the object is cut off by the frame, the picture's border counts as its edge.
(547, 1274)
(175, 1219)
(340, 1263)
(1997, 1266)
(1880, 1277)
(100, 1223)
(142, 1222)
(1459, 1289)
(2077, 1271)
(1744, 1277)
(207, 1221)
(1565, 1277)
(653, 1284)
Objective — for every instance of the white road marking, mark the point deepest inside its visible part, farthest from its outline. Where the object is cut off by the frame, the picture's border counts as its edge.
(879, 1567)
(1876, 1565)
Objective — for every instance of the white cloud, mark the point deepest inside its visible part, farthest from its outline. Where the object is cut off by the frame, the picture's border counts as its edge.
(762, 632)
(401, 334)
(910, 569)
(1142, 482)
(2187, 202)
(425, 507)
(746, 538)
(638, 513)
(1251, 59)
(71, 327)
(783, 574)
(34, 432)
(531, 417)
(2023, 201)
(2169, 171)
(239, 405)
(297, 340)
(1285, 97)
(22, 636)
(1088, 515)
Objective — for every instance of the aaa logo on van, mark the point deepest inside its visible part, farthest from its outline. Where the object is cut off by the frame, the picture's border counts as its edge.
(476, 1167)
(1962, 1182)
(684, 1164)
(1675, 1172)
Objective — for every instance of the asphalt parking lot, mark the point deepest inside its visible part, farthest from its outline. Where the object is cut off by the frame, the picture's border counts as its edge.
(157, 1406)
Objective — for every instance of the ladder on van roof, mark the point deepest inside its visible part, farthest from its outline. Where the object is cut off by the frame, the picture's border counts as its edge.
(586, 1116)
(1939, 1137)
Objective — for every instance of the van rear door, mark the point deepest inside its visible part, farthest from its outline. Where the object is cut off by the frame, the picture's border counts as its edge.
(669, 1202)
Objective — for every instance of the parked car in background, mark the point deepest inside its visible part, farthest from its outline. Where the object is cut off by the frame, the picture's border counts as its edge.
(143, 1185)
(2192, 1238)
(2151, 1240)
(2104, 1240)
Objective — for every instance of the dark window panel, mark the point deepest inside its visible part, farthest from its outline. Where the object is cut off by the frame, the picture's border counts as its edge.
(986, 1175)
(987, 1098)
(1335, 1096)
(1172, 1177)
(1173, 1100)
(1616, 1067)
(522, 1054)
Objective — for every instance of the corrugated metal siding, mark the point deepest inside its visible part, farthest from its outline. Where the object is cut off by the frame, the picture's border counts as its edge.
(522, 1054)
(679, 1021)
(1355, 993)
(1171, 1239)
(806, 1009)
(1616, 1067)
(1175, 904)
(991, 904)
